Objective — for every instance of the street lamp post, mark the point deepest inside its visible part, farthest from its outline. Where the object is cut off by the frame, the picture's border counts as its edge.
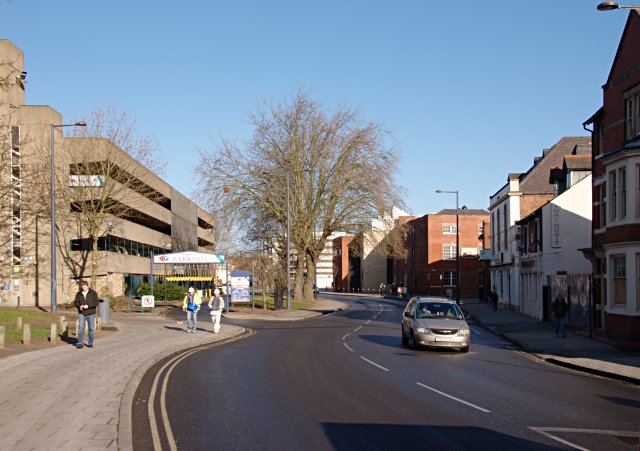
(287, 174)
(439, 191)
(288, 247)
(54, 292)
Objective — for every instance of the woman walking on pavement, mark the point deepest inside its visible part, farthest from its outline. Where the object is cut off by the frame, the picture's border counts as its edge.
(191, 305)
(216, 304)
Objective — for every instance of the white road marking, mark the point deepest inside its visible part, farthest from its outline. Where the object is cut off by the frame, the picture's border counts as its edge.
(368, 322)
(454, 398)
(546, 432)
(347, 346)
(475, 331)
(357, 328)
(373, 363)
(345, 336)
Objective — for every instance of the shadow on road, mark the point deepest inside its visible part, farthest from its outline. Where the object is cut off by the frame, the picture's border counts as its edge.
(388, 436)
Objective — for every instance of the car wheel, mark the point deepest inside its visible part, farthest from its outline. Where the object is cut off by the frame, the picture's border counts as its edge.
(465, 349)
(404, 338)
(412, 341)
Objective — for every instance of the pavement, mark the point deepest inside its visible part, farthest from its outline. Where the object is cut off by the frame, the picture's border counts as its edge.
(577, 350)
(74, 399)
(65, 398)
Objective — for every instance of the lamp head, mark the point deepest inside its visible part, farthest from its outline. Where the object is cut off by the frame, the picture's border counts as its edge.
(80, 124)
(608, 6)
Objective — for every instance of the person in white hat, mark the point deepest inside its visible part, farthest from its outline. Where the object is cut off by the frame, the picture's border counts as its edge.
(191, 305)
(216, 304)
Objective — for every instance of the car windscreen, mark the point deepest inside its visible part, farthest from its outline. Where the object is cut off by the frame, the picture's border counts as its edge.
(438, 310)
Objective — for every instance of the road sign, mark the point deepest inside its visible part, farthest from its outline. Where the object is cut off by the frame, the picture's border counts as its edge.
(148, 301)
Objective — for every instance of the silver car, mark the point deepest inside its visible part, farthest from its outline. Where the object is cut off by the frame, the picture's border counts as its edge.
(436, 322)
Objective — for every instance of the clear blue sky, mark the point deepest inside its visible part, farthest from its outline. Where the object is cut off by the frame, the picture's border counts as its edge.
(471, 89)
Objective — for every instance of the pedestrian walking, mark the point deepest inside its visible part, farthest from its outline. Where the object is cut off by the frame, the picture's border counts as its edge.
(216, 304)
(494, 299)
(86, 301)
(559, 307)
(191, 305)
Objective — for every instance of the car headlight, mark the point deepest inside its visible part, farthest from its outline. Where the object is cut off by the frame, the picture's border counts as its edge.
(463, 332)
(422, 330)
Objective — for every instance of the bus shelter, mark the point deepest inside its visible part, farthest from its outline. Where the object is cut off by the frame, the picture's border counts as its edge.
(190, 269)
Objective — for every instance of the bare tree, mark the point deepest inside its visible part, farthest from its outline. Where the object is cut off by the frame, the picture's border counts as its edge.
(338, 169)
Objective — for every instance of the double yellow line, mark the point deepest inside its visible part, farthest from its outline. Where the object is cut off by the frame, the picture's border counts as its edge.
(169, 366)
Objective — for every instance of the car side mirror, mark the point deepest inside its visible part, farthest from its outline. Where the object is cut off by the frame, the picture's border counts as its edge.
(408, 314)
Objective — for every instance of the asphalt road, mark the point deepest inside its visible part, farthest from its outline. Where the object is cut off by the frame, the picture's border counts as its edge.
(344, 381)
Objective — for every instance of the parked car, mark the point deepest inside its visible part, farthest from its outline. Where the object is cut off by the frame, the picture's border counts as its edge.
(435, 322)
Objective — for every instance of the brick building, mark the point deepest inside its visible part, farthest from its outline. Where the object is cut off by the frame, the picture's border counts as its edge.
(615, 251)
(429, 267)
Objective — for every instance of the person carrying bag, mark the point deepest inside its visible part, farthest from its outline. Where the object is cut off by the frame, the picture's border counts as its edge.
(216, 304)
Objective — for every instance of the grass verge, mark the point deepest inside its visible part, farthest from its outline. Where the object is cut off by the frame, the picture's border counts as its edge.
(39, 321)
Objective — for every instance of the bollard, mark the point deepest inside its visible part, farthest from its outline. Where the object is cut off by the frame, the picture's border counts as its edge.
(98, 324)
(54, 333)
(1, 337)
(62, 321)
(65, 330)
(26, 334)
(19, 322)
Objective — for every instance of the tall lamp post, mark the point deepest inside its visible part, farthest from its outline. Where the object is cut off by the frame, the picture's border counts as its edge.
(287, 173)
(54, 292)
(439, 191)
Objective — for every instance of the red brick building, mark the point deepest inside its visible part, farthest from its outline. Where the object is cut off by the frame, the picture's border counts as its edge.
(615, 251)
(343, 261)
(430, 263)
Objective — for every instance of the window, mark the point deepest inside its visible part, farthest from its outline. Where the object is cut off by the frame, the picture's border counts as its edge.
(638, 191)
(603, 205)
(613, 182)
(448, 229)
(637, 281)
(497, 234)
(623, 192)
(600, 129)
(506, 226)
(448, 251)
(632, 113)
(449, 278)
(619, 266)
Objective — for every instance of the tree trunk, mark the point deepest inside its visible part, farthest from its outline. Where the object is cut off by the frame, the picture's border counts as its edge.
(298, 293)
(310, 282)
(94, 261)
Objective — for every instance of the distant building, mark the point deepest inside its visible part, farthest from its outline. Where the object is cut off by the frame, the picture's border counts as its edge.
(519, 197)
(429, 267)
(548, 241)
(615, 250)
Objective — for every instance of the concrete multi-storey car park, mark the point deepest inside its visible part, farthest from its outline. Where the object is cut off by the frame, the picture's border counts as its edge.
(157, 218)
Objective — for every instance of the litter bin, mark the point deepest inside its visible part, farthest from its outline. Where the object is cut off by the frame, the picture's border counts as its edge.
(103, 310)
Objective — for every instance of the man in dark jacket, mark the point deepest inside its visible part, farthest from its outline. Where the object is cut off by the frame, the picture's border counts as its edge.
(559, 308)
(86, 301)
